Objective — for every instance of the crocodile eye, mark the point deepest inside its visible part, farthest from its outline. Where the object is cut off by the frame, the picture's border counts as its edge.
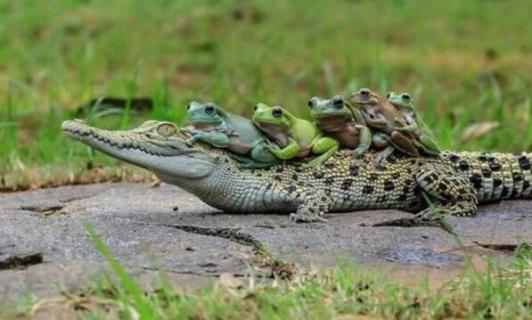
(209, 109)
(338, 102)
(277, 112)
(405, 96)
(166, 129)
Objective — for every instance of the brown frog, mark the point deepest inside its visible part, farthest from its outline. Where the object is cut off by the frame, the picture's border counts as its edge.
(380, 115)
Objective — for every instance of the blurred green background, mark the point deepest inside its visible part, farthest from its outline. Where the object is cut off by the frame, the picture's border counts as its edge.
(467, 62)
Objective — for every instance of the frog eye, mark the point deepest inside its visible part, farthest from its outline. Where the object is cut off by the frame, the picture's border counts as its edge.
(188, 106)
(312, 102)
(277, 112)
(405, 96)
(255, 107)
(338, 102)
(364, 93)
(388, 95)
(166, 129)
(209, 109)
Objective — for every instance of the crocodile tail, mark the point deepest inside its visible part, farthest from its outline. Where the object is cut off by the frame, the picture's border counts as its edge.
(495, 176)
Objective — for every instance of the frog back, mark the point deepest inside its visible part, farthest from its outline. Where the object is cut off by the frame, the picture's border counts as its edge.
(304, 132)
(244, 128)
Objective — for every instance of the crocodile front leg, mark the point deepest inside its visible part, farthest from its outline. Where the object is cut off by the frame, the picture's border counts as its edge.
(313, 208)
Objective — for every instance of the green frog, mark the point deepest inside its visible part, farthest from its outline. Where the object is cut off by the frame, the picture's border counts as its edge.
(405, 105)
(383, 117)
(336, 118)
(295, 137)
(219, 128)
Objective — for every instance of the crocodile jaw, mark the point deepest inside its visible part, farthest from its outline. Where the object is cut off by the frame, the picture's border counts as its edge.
(170, 159)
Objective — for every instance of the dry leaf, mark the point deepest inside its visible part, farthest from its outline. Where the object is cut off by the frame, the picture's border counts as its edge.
(478, 129)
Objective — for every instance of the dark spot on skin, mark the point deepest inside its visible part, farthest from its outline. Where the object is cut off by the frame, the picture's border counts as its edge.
(428, 179)
(494, 166)
(294, 177)
(269, 186)
(382, 199)
(367, 189)
(413, 161)
(497, 182)
(483, 158)
(486, 173)
(373, 177)
(323, 199)
(279, 169)
(299, 168)
(311, 210)
(406, 189)
(321, 207)
(476, 180)
(526, 185)
(464, 166)
(505, 192)
(329, 180)
(317, 174)
(329, 165)
(396, 175)
(328, 192)
(346, 184)
(402, 197)
(517, 177)
(442, 186)
(524, 163)
(291, 188)
(259, 174)
(277, 177)
(388, 185)
(454, 158)
(408, 182)
(354, 170)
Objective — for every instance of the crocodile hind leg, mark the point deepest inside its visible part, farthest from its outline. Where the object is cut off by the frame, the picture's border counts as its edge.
(445, 192)
(312, 208)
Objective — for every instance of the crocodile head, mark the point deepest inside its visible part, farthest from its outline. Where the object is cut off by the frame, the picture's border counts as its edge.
(155, 145)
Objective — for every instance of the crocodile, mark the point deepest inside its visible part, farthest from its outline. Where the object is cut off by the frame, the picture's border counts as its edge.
(452, 183)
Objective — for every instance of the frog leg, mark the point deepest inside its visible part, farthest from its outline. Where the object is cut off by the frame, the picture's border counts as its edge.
(364, 144)
(326, 146)
(382, 156)
(313, 208)
(380, 140)
(427, 149)
(403, 143)
(261, 153)
(261, 157)
(216, 139)
(447, 193)
(288, 152)
(428, 141)
(408, 128)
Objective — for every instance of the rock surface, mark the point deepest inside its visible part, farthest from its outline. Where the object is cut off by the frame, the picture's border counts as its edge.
(44, 248)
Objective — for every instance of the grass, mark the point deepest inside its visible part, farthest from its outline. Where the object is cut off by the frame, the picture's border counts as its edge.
(501, 291)
(466, 62)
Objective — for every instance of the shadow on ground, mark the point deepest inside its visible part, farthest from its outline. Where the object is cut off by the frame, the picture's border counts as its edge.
(44, 248)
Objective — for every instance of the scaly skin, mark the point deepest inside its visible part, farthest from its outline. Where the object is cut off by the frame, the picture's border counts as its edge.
(454, 182)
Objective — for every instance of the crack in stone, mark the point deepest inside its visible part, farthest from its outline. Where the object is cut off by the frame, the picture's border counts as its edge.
(20, 261)
(279, 268)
